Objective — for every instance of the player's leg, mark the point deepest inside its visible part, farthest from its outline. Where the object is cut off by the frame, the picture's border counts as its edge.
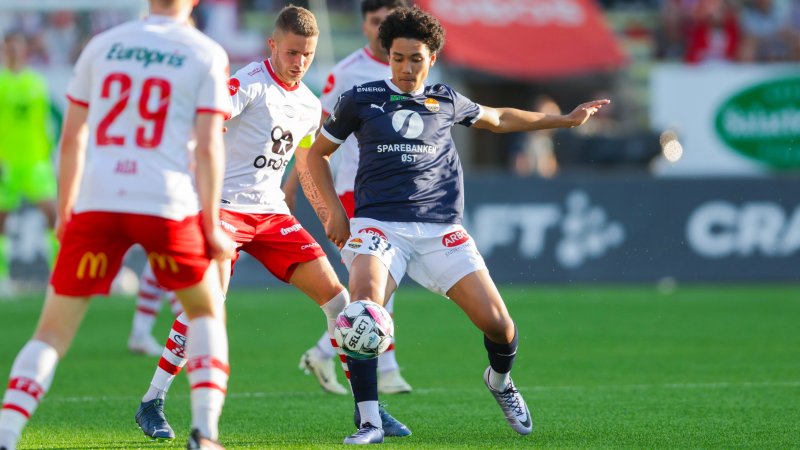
(390, 381)
(91, 258)
(35, 365)
(150, 415)
(39, 186)
(478, 297)
(318, 281)
(148, 305)
(176, 252)
(9, 201)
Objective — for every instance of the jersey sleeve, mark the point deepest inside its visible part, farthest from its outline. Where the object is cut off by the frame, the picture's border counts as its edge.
(79, 87)
(344, 119)
(213, 94)
(466, 112)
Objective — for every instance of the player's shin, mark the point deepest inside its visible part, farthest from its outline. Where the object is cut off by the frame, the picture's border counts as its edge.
(364, 382)
(501, 359)
(172, 360)
(207, 369)
(30, 378)
(332, 308)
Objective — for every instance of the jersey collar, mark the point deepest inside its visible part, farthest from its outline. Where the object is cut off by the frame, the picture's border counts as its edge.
(268, 64)
(399, 91)
(372, 56)
(158, 18)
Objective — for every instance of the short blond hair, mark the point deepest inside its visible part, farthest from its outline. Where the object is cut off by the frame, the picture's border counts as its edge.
(297, 20)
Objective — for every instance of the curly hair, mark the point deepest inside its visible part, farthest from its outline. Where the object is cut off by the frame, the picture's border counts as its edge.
(412, 23)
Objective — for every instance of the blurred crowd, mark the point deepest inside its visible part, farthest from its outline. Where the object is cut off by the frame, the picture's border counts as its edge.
(706, 31)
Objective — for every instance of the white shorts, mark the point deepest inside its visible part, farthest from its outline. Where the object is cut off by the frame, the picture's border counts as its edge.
(435, 255)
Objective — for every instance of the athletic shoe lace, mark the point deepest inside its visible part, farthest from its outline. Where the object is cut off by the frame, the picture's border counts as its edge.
(512, 400)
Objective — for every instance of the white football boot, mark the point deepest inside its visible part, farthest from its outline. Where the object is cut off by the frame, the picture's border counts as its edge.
(323, 369)
(513, 406)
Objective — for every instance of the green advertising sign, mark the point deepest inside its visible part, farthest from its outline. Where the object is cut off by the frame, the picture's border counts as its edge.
(762, 122)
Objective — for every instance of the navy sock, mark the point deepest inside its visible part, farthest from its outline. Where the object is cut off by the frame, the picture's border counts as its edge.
(364, 378)
(501, 356)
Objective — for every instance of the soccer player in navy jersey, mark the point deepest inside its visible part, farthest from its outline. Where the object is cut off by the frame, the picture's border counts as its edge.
(409, 202)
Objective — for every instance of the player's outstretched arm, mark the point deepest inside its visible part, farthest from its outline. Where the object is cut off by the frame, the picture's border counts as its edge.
(210, 157)
(74, 135)
(314, 172)
(508, 120)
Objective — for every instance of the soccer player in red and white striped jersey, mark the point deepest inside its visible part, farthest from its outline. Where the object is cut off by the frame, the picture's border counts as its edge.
(147, 102)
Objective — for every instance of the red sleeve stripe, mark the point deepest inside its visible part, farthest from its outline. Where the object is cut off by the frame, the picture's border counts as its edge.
(168, 367)
(209, 385)
(77, 102)
(18, 409)
(179, 327)
(213, 111)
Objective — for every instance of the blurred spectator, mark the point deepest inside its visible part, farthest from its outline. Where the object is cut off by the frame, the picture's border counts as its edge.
(676, 21)
(532, 153)
(606, 143)
(713, 34)
(766, 32)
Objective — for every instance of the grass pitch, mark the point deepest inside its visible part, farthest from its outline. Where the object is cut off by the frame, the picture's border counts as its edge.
(613, 367)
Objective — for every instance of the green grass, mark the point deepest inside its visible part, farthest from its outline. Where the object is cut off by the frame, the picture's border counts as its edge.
(600, 366)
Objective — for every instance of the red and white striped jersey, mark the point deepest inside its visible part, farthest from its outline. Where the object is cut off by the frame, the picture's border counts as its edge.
(144, 83)
(270, 120)
(359, 67)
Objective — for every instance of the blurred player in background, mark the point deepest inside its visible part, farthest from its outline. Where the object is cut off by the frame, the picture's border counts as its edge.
(368, 63)
(149, 299)
(409, 202)
(140, 95)
(273, 114)
(25, 167)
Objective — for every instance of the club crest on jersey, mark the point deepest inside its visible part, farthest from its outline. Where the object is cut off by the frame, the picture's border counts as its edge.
(233, 86)
(431, 105)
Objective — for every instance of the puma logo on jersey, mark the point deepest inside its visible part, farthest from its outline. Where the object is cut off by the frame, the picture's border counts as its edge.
(373, 105)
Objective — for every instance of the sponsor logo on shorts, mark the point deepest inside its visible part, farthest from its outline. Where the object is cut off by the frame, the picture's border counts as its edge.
(308, 246)
(291, 229)
(355, 243)
(455, 238)
(460, 248)
(160, 261)
(372, 232)
(92, 265)
(431, 105)
(227, 226)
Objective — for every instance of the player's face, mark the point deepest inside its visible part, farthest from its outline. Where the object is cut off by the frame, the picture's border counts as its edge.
(292, 55)
(372, 22)
(410, 61)
(15, 49)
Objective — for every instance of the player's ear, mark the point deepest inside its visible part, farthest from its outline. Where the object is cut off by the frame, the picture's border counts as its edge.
(433, 59)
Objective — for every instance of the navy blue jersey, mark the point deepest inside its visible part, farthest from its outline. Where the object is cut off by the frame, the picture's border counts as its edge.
(408, 169)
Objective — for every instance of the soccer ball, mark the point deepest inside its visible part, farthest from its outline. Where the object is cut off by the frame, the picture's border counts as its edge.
(364, 330)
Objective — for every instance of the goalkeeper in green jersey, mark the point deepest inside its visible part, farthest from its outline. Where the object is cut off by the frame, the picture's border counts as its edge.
(26, 170)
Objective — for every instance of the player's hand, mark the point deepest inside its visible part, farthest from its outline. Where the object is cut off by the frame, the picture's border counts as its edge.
(337, 228)
(220, 245)
(61, 225)
(584, 111)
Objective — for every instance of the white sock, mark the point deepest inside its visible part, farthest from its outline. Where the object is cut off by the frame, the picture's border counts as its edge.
(324, 349)
(148, 303)
(173, 358)
(30, 379)
(332, 308)
(207, 352)
(370, 413)
(387, 360)
(499, 381)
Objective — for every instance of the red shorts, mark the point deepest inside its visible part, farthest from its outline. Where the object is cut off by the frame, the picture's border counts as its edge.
(349, 202)
(277, 241)
(95, 243)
